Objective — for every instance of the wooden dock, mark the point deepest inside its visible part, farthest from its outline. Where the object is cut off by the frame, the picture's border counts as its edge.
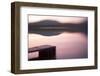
(46, 52)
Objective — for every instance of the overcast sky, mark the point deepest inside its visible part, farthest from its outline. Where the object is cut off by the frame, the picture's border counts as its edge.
(66, 19)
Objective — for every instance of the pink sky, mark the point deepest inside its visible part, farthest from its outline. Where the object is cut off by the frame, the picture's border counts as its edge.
(34, 18)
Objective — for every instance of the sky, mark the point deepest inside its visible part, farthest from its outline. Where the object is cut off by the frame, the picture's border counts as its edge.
(61, 19)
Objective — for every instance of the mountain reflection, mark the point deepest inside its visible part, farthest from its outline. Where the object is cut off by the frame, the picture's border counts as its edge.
(51, 27)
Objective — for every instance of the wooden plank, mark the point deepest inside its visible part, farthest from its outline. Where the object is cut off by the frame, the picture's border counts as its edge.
(46, 52)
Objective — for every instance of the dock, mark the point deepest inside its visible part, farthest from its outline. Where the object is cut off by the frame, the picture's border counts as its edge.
(45, 52)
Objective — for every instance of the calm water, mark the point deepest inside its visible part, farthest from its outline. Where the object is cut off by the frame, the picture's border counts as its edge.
(68, 45)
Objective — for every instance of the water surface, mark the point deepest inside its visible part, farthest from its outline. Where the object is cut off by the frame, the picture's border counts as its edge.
(69, 45)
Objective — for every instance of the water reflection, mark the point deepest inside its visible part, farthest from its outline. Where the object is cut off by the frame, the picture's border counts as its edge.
(68, 45)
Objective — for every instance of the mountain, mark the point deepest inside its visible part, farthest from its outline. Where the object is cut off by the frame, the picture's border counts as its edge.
(46, 26)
